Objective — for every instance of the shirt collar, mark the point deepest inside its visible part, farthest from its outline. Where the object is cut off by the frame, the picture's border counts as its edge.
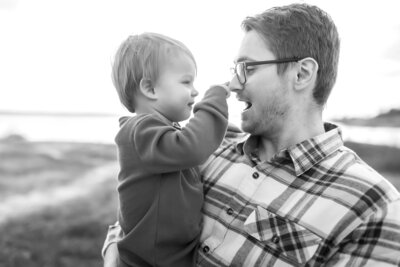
(305, 154)
(309, 152)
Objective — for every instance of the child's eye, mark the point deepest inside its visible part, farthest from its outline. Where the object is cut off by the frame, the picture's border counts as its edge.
(187, 82)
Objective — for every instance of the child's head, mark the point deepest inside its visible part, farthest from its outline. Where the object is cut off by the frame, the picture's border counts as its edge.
(141, 60)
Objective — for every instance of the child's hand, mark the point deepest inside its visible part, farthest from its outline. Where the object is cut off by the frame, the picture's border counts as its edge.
(225, 86)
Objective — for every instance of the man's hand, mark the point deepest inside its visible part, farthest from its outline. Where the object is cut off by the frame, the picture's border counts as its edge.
(111, 256)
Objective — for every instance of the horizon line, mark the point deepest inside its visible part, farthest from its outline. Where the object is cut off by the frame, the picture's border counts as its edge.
(56, 113)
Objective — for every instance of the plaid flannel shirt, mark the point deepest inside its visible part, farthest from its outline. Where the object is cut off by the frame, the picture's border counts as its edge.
(313, 204)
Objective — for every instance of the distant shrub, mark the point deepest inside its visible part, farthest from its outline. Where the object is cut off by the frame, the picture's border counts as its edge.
(13, 138)
(381, 158)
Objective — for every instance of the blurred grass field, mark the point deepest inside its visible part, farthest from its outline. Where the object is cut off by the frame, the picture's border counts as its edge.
(53, 229)
(69, 232)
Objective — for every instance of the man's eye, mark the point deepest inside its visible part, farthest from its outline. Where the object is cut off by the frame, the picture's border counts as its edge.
(250, 70)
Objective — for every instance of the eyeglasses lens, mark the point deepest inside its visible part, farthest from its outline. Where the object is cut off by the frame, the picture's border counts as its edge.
(240, 72)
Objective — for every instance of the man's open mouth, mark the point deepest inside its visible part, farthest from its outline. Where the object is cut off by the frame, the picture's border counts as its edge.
(248, 105)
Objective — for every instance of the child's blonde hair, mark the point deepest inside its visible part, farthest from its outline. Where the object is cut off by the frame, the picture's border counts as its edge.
(139, 57)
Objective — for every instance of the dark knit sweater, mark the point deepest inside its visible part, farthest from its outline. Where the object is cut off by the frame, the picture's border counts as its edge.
(160, 192)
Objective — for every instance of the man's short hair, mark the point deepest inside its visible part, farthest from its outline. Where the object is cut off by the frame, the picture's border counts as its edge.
(140, 57)
(301, 30)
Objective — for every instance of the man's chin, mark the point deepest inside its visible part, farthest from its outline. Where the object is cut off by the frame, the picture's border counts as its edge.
(247, 127)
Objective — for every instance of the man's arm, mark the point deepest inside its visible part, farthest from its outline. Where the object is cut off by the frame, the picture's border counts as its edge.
(376, 242)
(110, 249)
(111, 256)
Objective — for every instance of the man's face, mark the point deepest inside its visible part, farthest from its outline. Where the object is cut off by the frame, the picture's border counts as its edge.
(265, 92)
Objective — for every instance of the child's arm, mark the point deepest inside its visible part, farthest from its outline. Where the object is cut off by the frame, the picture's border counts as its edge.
(162, 148)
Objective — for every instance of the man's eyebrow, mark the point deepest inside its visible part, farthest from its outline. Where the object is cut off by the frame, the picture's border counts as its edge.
(244, 58)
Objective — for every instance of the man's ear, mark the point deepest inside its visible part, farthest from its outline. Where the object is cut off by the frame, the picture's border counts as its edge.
(147, 89)
(306, 73)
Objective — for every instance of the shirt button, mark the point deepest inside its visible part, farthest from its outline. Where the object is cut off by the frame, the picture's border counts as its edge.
(275, 239)
(229, 211)
(256, 175)
(206, 249)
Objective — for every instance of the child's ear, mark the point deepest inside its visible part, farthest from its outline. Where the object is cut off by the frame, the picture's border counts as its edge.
(147, 89)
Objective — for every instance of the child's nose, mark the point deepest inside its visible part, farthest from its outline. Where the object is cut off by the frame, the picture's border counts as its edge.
(194, 92)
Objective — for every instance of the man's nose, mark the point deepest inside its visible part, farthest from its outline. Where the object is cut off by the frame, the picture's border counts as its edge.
(235, 85)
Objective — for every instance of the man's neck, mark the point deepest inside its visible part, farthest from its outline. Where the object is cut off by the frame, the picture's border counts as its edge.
(292, 132)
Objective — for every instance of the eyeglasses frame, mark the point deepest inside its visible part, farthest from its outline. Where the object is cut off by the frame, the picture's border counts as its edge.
(264, 62)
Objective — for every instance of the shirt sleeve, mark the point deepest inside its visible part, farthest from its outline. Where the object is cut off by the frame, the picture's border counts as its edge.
(114, 235)
(163, 148)
(376, 242)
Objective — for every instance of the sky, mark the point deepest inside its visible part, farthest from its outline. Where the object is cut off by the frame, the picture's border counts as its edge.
(56, 55)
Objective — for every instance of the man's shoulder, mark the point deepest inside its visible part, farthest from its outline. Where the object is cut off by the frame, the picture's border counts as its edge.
(362, 179)
(358, 168)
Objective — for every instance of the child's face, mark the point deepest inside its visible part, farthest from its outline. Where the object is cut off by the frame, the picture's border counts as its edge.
(175, 88)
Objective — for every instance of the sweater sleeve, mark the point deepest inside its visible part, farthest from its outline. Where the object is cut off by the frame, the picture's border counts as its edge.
(162, 148)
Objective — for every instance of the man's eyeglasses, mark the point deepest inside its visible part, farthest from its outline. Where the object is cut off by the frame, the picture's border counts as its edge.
(240, 69)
